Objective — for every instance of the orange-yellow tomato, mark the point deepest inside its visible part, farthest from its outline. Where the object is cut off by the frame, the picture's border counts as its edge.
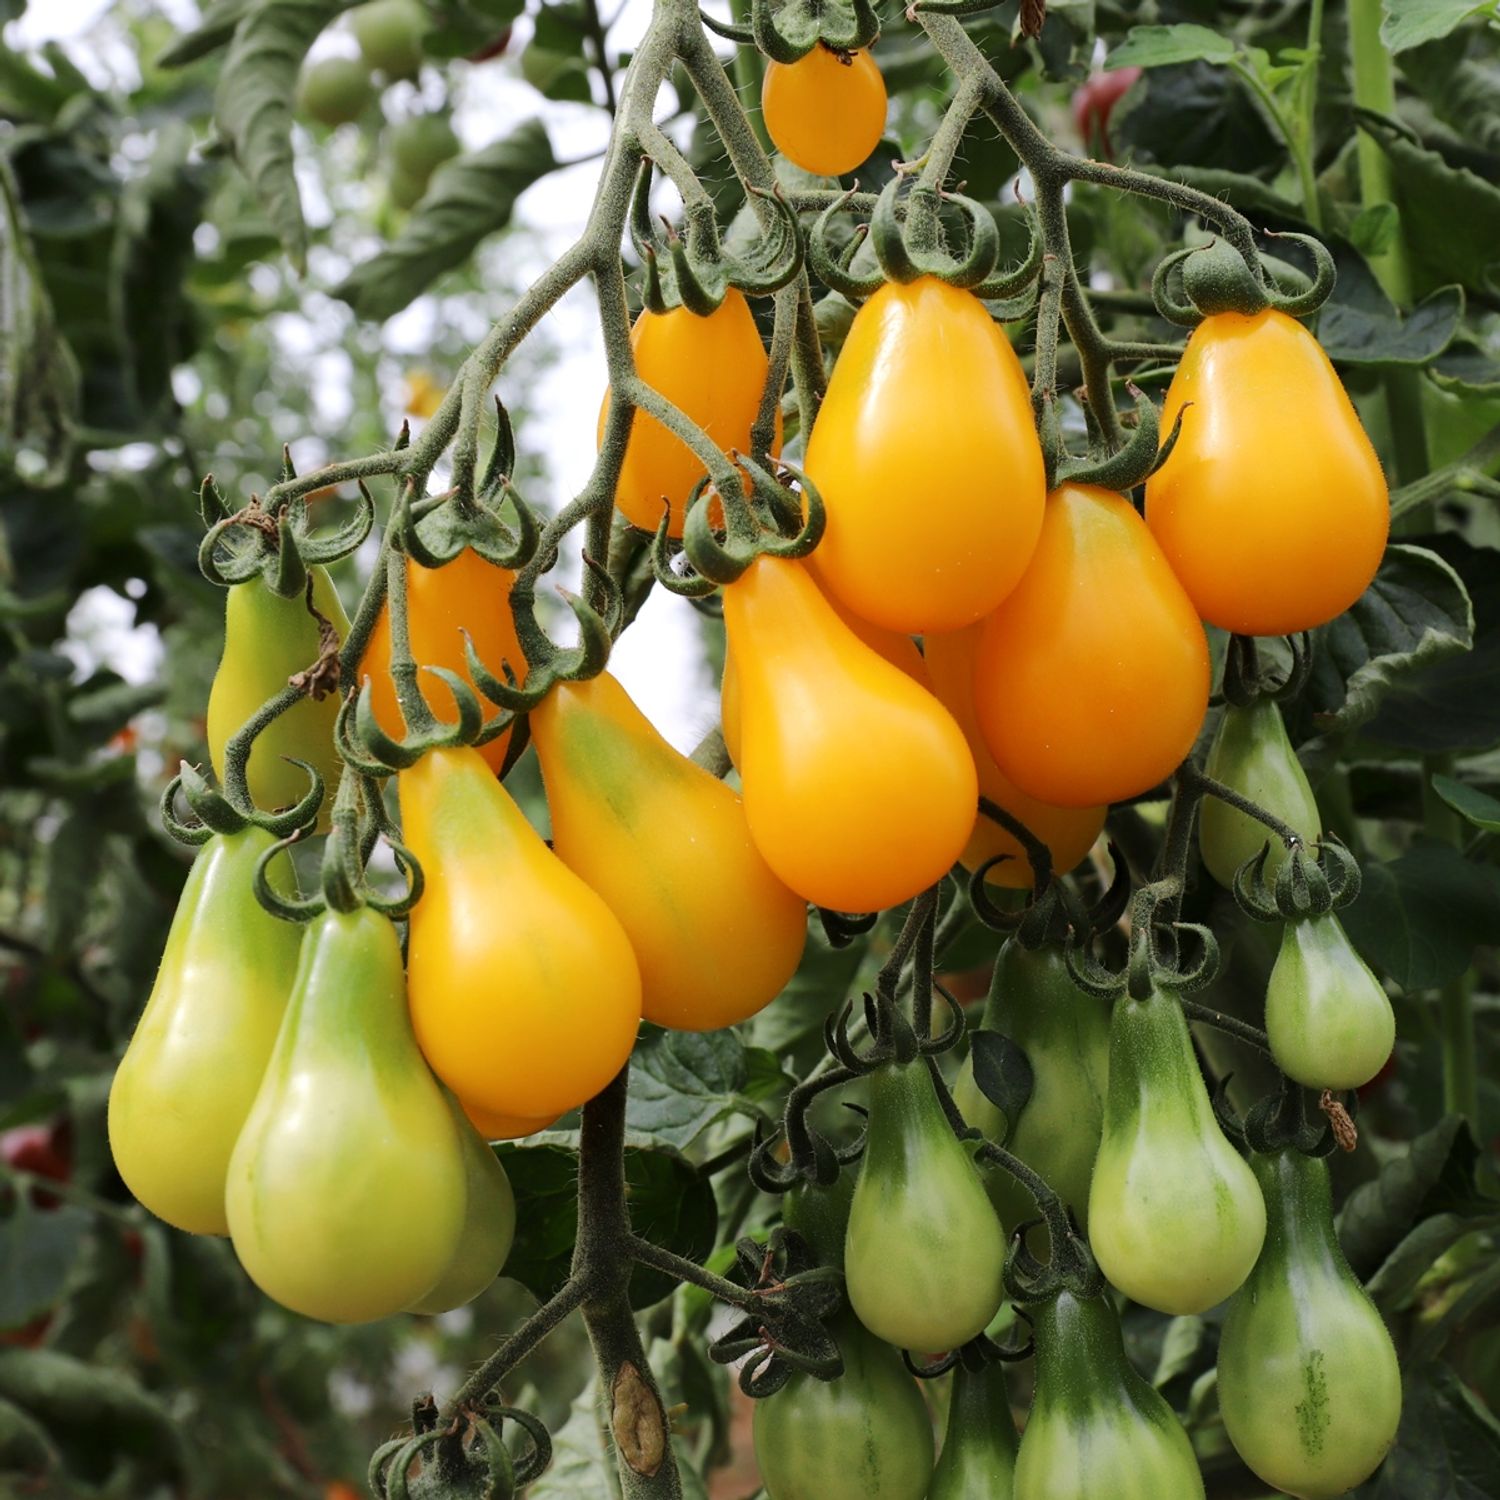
(713, 370)
(525, 996)
(859, 788)
(466, 594)
(494, 1127)
(927, 461)
(1092, 679)
(900, 650)
(826, 111)
(1069, 832)
(1272, 508)
(666, 844)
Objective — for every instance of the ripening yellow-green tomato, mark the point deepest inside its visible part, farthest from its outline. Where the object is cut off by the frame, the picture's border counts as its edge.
(666, 845)
(346, 1192)
(713, 369)
(489, 1225)
(267, 640)
(525, 993)
(190, 1074)
(859, 788)
(926, 457)
(825, 112)
(466, 596)
(1272, 508)
(1068, 832)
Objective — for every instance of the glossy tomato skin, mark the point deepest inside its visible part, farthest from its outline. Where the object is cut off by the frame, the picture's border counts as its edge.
(190, 1075)
(493, 1126)
(489, 1225)
(525, 994)
(859, 788)
(1309, 1385)
(268, 639)
(666, 844)
(1176, 1218)
(1252, 755)
(926, 535)
(978, 1460)
(1068, 832)
(346, 1190)
(825, 112)
(864, 1436)
(1092, 678)
(466, 594)
(1272, 508)
(900, 650)
(712, 369)
(925, 1250)
(1328, 1017)
(1065, 1036)
(1096, 1427)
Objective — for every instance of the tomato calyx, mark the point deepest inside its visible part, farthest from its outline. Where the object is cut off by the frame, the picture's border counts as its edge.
(1310, 883)
(1246, 679)
(1141, 456)
(1161, 955)
(1217, 278)
(1282, 1121)
(469, 1456)
(787, 32)
(693, 269)
(214, 813)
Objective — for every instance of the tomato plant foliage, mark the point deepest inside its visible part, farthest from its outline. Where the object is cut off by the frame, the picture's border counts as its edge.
(1125, 328)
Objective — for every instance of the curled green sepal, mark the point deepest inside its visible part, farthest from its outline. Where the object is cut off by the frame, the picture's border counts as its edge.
(694, 269)
(1131, 465)
(215, 813)
(743, 35)
(1245, 679)
(1280, 1121)
(547, 663)
(1309, 296)
(723, 558)
(916, 245)
(277, 545)
(376, 753)
(435, 530)
(467, 1459)
(1014, 292)
(787, 30)
(1310, 883)
(690, 586)
(1070, 1265)
(288, 908)
(834, 267)
(811, 1157)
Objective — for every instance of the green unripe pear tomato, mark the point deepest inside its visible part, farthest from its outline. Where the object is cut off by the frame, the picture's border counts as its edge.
(1308, 1381)
(335, 90)
(978, 1460)
(389, 33)
(421, 145)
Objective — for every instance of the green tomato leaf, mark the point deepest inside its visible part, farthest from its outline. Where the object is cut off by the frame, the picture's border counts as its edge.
(469, 198)
(1003, 1074)
(1361, 326)
(1433, 1175)
(1409, 23)
(1162, 46)
(39, 382)
(1374, 230)
(1479, 808)
(1448, 1444)
(213, 31)
(38, 1250)
(1401, 1271)
(683, 1082)
(253, 105)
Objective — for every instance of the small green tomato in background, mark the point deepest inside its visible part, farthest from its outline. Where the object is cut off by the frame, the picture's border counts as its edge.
(389, 33)
(335, 90)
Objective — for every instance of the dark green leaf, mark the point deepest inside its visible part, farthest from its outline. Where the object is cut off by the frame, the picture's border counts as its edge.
(1003, 1073)
(253, 105)
(1193, 116)
(214, 29)
(1409, 23)
(1360, 324)
(1373, 231)
(671, 1203)
(471, 197)
(1420, 917)
(38, 1248)
(1392, 1285)
(1164, 46)
(1448, 1446)
(1479, 808)
(1435, 1174)
(681, 1082)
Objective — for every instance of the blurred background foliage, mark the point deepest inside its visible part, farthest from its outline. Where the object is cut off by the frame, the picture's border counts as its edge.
(195, 275)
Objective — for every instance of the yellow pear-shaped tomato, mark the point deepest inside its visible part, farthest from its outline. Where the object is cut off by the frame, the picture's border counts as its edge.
(1092, 679)
(346, 1190)
(900, 650)
(190, 1074)
(466, 594)
(713, 370)
(497, 1127)
(489, 1226)
(927, 461)
(525, 994)
(1069, 832)
(1272, 508)
(666, 844)
(859, 788)
(825, 112)
(267, 640)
